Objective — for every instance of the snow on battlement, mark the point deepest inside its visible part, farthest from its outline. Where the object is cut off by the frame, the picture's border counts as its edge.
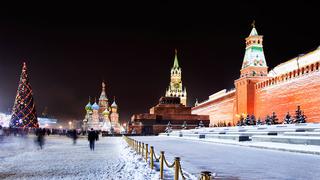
(296, 63)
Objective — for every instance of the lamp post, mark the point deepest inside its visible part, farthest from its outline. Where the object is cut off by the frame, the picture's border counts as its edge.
(70, 124)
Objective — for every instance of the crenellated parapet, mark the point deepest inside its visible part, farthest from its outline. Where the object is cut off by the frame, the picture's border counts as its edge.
(292, 69)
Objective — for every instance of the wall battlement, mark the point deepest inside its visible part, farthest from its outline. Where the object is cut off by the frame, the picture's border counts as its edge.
(292, 75)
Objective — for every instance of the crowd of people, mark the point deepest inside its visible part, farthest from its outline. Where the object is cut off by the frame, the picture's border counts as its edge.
(40, 134)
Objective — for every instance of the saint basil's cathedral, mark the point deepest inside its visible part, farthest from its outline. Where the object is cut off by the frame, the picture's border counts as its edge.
(101, 116)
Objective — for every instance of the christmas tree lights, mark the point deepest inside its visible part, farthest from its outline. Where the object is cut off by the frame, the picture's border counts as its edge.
(23, 111)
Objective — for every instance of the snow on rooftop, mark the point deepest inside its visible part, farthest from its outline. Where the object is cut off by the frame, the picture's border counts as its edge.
(296, 63)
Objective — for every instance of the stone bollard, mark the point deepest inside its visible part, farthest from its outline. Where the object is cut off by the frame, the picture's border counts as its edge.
(206, 175)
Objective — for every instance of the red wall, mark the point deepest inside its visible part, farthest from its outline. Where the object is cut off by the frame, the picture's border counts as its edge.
(284, 96)
(219, 110)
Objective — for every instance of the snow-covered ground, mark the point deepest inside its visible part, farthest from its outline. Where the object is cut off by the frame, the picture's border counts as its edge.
(236, 162)
(60, 159)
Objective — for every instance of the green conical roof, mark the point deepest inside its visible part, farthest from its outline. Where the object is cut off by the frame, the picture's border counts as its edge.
(176, 63)
(253, 32)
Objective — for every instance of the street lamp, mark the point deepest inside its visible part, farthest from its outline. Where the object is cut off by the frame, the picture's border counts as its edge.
(70, 124)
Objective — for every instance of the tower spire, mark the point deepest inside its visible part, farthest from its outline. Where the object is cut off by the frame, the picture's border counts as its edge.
(254, 55)
(253, 30)
(176, 63)
(175, 88)
(103, 100)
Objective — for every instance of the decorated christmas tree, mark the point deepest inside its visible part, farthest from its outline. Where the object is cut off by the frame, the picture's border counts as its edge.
(24, 111)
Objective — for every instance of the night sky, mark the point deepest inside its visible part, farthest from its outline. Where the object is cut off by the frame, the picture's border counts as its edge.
(71, 48)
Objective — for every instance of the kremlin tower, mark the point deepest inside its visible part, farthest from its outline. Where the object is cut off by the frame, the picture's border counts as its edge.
(175, 88)
(254, 69)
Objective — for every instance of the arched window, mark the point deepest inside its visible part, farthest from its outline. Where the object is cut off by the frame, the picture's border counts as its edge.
(294, 73)
(312, 67)
(302, 70)
(290, 75)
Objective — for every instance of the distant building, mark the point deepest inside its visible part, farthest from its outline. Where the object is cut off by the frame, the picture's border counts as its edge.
(168, 110)
(175, 88)
(260, 92)
(101, 116)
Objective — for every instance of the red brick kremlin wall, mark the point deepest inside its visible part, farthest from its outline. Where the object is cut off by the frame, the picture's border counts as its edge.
(219, 109)
(284, 93)
(291, 85)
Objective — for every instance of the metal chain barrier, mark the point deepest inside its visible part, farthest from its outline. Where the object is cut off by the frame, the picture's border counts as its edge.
(182, 175)
(142, 149)
(155, 157)
(168, 165)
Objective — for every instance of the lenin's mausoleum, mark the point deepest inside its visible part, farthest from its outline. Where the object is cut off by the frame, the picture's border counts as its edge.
(260, 91)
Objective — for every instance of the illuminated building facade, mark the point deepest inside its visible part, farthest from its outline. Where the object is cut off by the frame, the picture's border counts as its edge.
(169, 109)
(175, 88)
(101, 116)
(261, 92)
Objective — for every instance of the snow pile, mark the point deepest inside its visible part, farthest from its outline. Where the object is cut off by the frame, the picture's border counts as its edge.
(134, 164)
(141, 169)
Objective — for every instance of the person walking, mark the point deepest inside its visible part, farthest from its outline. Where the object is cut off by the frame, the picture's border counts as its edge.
(40, 137)
(92, 137)
(74, 136)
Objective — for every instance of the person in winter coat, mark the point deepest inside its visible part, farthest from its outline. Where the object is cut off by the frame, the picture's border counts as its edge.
(74, 136)
(92, 137)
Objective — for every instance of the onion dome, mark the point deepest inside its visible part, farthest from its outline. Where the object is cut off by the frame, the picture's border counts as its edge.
(88, 106)
(114, 105)
(95, 106)
(106, 112)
